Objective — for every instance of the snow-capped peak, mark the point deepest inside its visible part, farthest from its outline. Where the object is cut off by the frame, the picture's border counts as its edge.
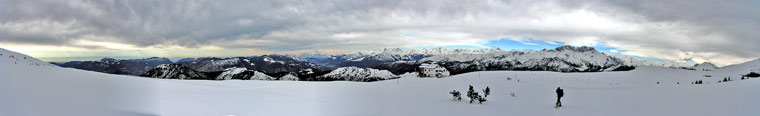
(564, 59)
(706, 66)
(358, 74)
(229, 73)
(244, 74)
(628, 60)
(270, 60)
(289, 77)
(261, 76)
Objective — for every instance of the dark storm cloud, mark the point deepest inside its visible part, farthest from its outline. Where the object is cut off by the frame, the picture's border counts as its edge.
(194, 22)
(735, 23)
(147, 23)
(719, 31)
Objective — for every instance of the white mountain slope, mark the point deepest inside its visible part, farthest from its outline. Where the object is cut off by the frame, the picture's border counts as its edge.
(374, 57)
(358, 74)
(43, 91)
(564, 59)
(397, 54)
(174, 71)
(48, 90)
(11, 57)
(742, 68)
(231, 73)
(638, 62)
(261, 76)
(289, 77)
(706, 66)
(243, 74)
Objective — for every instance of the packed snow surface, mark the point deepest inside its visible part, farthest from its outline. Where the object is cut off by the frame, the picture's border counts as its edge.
(30, 90)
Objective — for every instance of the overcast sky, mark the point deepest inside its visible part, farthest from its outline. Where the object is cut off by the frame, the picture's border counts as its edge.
(718, 31)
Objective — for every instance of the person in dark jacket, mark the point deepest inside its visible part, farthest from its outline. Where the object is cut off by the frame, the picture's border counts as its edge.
(560, 93)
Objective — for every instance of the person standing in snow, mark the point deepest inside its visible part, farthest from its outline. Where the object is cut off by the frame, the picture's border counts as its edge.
(560, 93)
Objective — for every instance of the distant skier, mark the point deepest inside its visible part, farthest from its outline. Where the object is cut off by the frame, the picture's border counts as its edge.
(560, 93)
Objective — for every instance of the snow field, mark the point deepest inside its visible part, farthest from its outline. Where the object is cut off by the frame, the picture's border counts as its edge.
(30, 90)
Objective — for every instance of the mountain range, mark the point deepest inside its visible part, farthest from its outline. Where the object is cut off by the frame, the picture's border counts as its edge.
(113, 66)
(313, 66)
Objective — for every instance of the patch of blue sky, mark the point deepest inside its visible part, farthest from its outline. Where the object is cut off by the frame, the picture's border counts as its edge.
(612, 50)
(408, 34)
(601, 47)
(522, 44)
(649, 58)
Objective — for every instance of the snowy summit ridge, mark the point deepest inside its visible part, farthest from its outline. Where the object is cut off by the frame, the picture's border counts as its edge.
(243, 74)
(314, 65)
(358, 74)
(174, 71)
(562, 59)
(706, 66)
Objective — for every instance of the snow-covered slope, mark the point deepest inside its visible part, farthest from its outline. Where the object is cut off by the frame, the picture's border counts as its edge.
(235, 73)
(629, 93)
(358, 74)
(29, 90)
(742, 68)
(15, 58)
(31, 87)
(706, 66)
(396, 59)
(174, 71)
(373, 58)
(563, 59)
(628, 60)
(261, 76)
(243, 74)
(289, 77)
